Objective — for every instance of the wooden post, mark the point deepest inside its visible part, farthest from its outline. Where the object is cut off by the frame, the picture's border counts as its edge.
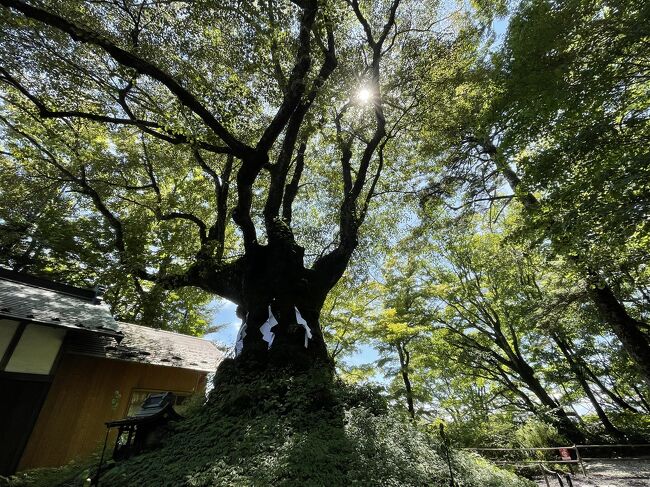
(582, 465)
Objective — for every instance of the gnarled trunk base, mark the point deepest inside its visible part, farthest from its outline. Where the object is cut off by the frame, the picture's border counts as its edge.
(282, 335)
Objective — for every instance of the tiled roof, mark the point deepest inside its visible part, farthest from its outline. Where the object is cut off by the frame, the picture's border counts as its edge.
(25, 297)
(150, 346)
(60, 305)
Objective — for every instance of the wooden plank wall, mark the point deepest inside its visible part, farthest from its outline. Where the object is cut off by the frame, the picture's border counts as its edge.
(83, 397)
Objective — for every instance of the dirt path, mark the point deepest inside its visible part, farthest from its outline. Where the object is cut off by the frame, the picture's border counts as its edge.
(610, 473)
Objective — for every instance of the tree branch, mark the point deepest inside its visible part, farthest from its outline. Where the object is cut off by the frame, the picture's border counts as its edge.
(291, 189)
(280, 170)
(144, 125)
(335, 262)
(296, 81)
(140, 65)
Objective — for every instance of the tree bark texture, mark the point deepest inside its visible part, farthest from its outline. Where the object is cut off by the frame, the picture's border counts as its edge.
(625, 327)
(274, 277)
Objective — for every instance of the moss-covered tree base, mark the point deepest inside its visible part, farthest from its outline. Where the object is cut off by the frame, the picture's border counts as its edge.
(301, 430)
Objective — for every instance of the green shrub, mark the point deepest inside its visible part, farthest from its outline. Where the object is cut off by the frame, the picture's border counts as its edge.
(537, 434)
(74, 473)
(308, 430)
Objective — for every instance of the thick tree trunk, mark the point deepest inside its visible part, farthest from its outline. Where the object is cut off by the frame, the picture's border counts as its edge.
(626, 328)
(580, 376)
(557, 414)
(279, 294)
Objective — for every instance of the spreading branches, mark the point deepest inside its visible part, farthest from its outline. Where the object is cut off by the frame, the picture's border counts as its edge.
(296, 82)
(170, 215)
(350, 216)
(289, 117)
(291, 189)
(81, 182)
(280, 170)
(137, 89)
(194, 273)
(149, 127)
(135, 62)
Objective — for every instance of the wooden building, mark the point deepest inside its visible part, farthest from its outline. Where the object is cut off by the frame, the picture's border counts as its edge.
(67, 367)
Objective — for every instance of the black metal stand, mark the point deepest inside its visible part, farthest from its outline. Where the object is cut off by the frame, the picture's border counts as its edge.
(94, 482)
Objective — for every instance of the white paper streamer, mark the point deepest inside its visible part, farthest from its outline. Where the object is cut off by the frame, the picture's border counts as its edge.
(239, 344)
(267, 334)
(301, 321)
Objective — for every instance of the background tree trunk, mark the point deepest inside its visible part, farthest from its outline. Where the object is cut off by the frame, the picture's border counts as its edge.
(404, 359)
(557, 413)
(625, 327)
(577, 371)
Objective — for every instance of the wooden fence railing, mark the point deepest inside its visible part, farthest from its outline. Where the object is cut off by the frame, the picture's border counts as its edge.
(564, 456)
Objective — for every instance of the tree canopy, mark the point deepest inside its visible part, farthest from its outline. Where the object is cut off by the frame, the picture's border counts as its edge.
(389, 174)
(195, 143)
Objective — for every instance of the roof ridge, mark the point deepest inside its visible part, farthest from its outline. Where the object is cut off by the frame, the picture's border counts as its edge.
(86, 294)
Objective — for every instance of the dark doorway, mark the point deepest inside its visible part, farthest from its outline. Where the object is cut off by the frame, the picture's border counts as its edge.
(21, 399)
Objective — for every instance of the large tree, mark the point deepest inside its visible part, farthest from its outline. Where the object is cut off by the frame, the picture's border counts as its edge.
(478, 320)
(234, 147)
(563, 123)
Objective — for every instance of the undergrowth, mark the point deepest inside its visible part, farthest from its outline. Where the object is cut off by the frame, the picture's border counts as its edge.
(301, 430)
(73, 473)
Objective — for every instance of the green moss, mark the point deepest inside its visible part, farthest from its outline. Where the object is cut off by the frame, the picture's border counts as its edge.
(74, 473)
(306, 430)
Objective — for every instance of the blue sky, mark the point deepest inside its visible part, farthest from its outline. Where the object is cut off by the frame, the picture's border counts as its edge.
(225, 316)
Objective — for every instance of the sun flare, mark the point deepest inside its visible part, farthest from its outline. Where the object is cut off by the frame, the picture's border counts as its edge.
(364, 95)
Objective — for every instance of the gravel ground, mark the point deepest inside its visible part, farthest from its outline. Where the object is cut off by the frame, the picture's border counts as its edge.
(610, 473)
